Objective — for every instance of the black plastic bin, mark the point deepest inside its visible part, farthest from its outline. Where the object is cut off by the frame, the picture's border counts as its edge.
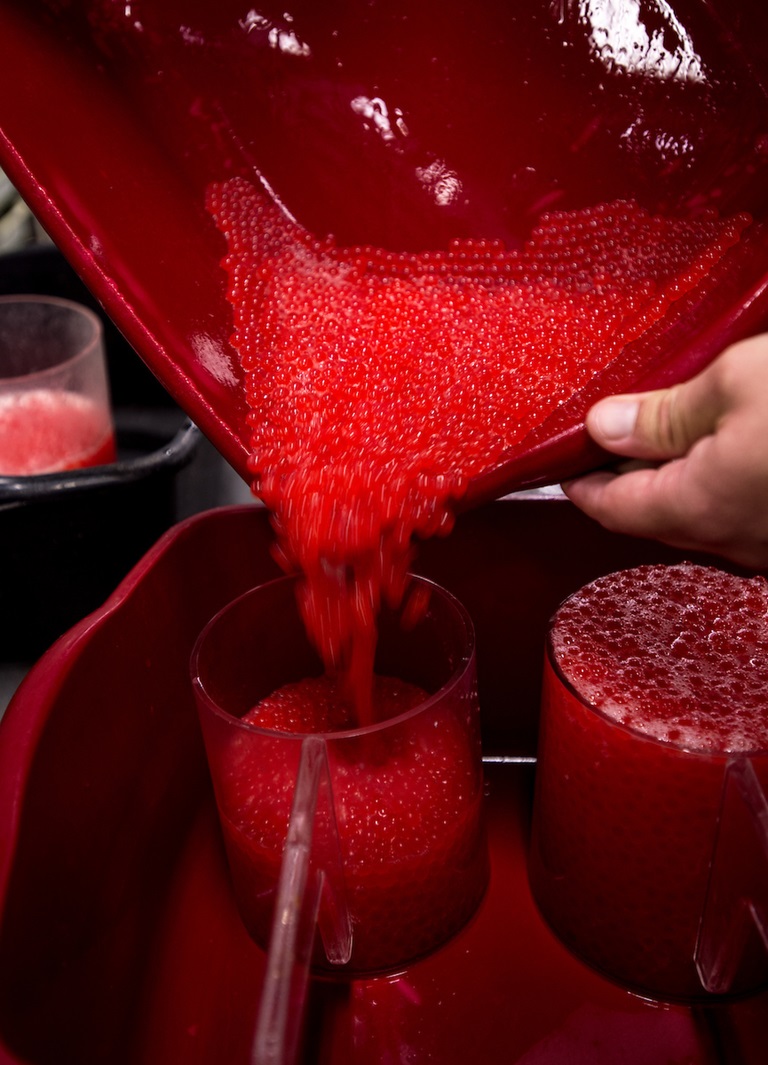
(66, 539)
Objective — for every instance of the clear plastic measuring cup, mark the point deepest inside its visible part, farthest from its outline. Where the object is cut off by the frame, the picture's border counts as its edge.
(384, 824)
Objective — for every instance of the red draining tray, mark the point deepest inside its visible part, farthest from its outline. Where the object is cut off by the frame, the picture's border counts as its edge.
(115, 115)
(119, 941)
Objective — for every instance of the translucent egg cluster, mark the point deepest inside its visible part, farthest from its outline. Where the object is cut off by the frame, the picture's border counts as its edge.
(380, 382)
(677, 652)
(317, 704)
(408, 804)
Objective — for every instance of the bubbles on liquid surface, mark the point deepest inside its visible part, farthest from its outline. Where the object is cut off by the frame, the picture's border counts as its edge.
(691, 665)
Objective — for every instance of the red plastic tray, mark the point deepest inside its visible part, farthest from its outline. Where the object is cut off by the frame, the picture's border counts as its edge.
(119, 940)
(115, 116)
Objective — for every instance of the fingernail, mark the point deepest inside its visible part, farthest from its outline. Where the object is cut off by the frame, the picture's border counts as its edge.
(615, 419)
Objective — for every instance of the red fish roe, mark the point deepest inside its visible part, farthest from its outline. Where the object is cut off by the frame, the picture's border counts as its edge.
(316, 704)
(677, 652)
(379, 382)
(409, 819)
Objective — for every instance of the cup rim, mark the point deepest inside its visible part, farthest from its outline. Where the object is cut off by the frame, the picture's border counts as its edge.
(92, 342)
(632, 730)
(465, 663)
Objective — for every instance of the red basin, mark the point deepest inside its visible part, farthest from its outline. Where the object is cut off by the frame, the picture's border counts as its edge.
(119, 938)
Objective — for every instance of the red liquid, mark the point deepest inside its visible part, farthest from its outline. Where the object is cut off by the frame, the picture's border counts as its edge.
(43, 431)
(379, 382)
(408, 803)
(675, 663)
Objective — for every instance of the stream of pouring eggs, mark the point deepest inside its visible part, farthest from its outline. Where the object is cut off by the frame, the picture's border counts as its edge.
(379, 383)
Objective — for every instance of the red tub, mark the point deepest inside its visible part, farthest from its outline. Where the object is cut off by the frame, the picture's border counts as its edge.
(119, 938)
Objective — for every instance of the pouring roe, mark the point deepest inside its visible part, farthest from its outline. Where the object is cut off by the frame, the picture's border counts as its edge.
(379, 382)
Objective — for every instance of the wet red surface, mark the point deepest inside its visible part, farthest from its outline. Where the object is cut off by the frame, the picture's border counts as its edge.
(395, 128)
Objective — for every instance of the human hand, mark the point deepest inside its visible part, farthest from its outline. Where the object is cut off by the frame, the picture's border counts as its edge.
(705, 487)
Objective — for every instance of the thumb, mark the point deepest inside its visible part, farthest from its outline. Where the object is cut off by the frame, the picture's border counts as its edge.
(657, 425)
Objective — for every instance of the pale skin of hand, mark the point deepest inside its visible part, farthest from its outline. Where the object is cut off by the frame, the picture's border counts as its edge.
(705, 442)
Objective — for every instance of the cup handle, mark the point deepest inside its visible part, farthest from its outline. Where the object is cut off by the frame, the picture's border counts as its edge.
(732, 948)
(310, 894)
